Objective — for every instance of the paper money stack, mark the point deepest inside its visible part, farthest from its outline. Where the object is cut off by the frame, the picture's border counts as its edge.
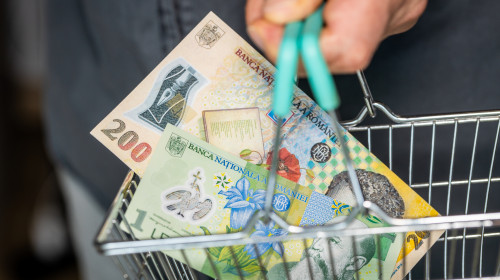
(199, 129)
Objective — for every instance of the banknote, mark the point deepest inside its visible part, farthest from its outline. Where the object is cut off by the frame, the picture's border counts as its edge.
(215, 69)
(237, 131)
(194, 188)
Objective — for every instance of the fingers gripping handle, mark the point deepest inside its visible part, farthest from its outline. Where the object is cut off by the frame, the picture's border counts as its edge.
(303, 37)
(287, 68)
(319, 75)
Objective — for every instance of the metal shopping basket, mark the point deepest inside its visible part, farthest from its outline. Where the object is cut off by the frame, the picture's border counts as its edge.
(448, 159)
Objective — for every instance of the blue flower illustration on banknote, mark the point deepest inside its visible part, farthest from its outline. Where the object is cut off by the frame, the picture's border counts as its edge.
(243, 202)
(263, 230)
(242, 259)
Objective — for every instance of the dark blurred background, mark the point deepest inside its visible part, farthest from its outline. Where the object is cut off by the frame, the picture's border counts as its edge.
(34, 236)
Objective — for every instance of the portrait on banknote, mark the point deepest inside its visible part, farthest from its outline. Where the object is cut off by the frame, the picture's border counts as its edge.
(332, 256)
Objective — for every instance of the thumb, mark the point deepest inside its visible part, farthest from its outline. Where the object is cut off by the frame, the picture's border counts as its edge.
(284, 11)
(265, 34)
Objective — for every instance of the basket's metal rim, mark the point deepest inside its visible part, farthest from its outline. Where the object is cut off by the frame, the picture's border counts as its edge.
(295, 232)
(338, 229)
(475, 278)
(112, 212)
(489, 115)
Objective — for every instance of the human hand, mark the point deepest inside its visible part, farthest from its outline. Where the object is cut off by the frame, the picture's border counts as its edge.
(353, 28)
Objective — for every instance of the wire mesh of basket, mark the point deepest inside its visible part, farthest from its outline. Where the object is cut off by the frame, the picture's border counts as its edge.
(448, 159)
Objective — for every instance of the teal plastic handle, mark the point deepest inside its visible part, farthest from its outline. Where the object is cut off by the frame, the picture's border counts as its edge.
(287, 68)
(321, 80)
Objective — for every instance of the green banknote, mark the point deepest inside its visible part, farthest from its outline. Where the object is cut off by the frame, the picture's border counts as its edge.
(193, 188)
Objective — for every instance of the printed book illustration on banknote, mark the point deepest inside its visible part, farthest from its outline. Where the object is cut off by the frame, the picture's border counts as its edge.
(215, 69)
(237, 131)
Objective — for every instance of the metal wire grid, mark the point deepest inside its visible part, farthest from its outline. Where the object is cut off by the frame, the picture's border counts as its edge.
(143, 259)
(460, 149)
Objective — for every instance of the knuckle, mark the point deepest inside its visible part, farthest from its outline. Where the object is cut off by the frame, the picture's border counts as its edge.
(347, 56)
(406, 17)
(356, 58)
(414, 11)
